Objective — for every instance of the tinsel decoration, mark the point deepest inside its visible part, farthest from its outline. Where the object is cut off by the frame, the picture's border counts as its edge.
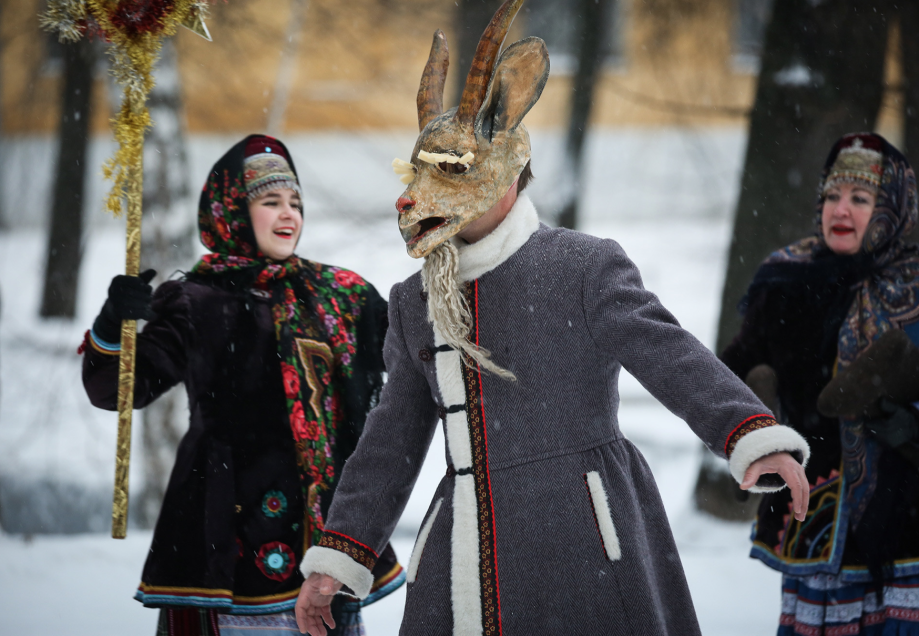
(134, 30)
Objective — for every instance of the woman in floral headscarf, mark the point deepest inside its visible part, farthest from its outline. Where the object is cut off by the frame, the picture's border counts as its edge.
(282, 359)
(852, 566)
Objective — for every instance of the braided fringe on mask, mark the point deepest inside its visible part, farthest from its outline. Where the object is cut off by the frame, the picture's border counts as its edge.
(448, 310)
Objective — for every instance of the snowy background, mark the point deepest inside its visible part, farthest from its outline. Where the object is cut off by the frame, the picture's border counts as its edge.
(665, 195)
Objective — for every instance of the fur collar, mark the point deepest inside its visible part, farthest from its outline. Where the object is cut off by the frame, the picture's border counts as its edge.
(478, 258)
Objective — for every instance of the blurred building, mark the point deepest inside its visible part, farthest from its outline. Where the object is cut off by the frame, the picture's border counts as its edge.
(300, 65)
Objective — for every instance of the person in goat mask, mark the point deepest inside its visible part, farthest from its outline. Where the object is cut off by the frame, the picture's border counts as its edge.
(513, 334)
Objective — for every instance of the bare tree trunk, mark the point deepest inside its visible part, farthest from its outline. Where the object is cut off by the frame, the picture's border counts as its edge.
(64, 250)
(821, 76)
(167, 245)
(593, 22)
(909, 45)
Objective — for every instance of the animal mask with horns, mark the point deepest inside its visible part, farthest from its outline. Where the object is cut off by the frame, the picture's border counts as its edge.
(467, 158)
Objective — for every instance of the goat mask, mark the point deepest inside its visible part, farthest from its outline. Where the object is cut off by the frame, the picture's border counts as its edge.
(467, 158)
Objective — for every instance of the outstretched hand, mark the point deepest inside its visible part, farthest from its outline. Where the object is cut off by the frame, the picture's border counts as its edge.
(314, 604)
(788, 469)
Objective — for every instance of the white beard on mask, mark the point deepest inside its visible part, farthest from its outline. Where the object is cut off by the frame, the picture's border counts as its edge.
(448, 310)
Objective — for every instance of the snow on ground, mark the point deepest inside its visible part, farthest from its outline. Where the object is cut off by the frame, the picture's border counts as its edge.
(81, 585)
(665, 195)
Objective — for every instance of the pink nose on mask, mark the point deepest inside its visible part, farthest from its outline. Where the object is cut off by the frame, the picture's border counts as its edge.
(404, 204)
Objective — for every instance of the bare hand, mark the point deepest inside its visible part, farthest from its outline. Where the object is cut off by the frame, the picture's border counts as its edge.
(788, 469)
(313, 604)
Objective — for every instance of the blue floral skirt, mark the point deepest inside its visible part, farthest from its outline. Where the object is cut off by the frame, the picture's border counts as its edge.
(285, 623)
(821, 605)
(193, 621)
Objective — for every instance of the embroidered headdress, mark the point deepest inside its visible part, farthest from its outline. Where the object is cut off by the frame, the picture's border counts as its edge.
(267, 167)
(858, 162)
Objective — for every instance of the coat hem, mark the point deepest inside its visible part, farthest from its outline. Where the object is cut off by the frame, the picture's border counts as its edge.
(846, 574)
(223, 600)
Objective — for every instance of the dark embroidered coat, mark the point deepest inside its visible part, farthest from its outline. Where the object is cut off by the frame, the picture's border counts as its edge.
(548, 519)
(793, 326)
(811, 314)
(231, 529)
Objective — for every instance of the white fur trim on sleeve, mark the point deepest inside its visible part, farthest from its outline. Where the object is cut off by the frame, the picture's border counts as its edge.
(762, 442)
(339, 566)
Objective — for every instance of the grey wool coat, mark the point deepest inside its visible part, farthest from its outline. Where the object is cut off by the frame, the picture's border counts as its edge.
(548, 520)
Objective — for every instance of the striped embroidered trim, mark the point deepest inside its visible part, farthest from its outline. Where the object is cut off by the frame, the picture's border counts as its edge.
(164, 596)
(353, 548)
(102, 346)
(271, 598)
(749, 425)
(488, 551)
(185, 591)
(383, 581)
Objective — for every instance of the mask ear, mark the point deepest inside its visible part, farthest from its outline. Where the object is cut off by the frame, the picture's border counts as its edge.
(518, 80)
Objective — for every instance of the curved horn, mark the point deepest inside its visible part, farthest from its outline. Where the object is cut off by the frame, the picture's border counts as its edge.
(486, 54)
(431, 91)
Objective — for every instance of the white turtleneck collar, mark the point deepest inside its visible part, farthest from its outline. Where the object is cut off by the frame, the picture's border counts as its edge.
(475, 259)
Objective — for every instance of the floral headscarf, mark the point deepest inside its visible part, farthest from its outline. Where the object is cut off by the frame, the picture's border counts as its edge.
(315, 309)
(886, 296)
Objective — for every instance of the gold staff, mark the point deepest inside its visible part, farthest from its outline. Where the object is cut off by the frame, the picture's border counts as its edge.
(136, 33)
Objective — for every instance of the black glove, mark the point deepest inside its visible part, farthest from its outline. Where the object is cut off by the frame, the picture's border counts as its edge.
(129, 298)
(897, 426)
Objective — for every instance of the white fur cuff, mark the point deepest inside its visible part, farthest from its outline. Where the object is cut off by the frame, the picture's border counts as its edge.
(762, 442)
(339, 566)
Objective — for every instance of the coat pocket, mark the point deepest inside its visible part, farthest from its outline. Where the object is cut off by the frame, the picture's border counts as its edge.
(422, 539)
(602, 516)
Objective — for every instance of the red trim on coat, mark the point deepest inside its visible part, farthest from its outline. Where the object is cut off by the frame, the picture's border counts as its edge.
(353, 540)
(736, 428)
(491, 499)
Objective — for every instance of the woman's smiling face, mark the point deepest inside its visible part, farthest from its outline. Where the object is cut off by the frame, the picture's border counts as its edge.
(847, 209)
(277, 218)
